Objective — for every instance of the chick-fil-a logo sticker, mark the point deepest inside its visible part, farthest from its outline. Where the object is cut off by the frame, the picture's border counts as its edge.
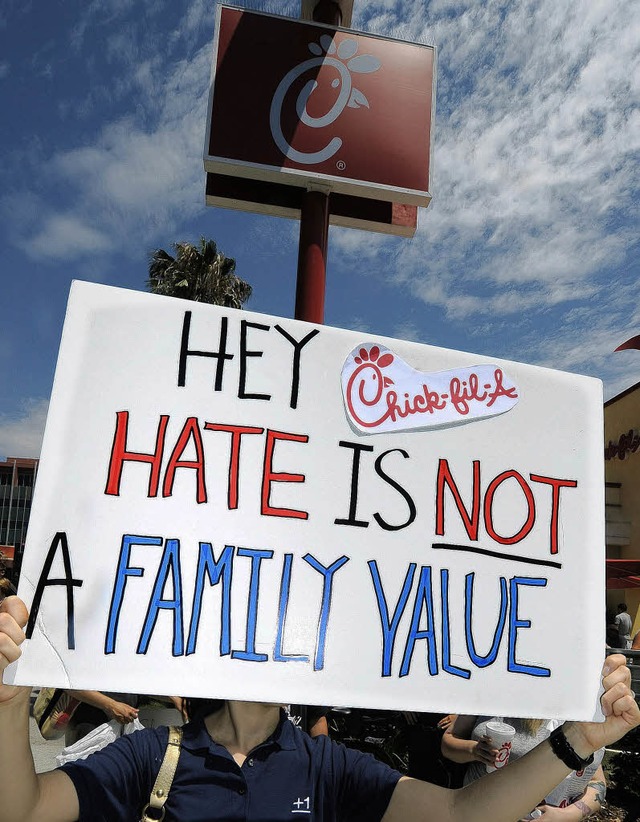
(346, 61)
(382, 393)
(502, 757)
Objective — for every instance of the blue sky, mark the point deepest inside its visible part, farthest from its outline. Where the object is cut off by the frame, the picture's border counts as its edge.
(529, 250)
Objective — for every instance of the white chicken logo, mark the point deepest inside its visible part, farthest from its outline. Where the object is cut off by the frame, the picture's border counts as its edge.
(346, 61)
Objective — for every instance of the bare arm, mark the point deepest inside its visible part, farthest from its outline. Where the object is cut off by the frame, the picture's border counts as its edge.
(320, 727)
(447, 721)
(119, 711)
(458, 746)
(29, 798)
(510, 793)
(502, 796)
(589, 803)
(180, 704)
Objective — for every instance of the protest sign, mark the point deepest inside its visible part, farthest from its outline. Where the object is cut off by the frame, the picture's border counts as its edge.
(250, 507)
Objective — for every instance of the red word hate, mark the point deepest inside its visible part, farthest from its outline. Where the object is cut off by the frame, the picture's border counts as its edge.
(163, 475)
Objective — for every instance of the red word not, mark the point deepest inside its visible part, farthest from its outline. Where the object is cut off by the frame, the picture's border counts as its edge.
(471, 520)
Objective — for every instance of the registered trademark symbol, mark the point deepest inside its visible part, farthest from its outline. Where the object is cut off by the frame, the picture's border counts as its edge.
(341, 165)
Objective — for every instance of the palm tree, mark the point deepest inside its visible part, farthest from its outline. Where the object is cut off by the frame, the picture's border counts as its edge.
(200, 273)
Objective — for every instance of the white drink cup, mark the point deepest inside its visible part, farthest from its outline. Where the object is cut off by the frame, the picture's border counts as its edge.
(501, 736)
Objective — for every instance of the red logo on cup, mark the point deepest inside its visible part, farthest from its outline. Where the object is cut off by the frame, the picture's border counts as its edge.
(502, 757)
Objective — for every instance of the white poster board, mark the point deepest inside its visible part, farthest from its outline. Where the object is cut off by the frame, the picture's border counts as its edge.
(249, 507)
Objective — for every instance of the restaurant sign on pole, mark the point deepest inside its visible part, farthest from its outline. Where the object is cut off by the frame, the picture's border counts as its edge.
(301, 103)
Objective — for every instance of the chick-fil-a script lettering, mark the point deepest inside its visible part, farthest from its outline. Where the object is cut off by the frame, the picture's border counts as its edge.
(382, 393)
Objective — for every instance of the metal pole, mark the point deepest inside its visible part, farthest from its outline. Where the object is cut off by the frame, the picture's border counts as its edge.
(328, 11)
(314, 222)
(312, 256)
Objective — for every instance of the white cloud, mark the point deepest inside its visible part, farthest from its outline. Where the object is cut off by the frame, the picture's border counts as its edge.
(122, 46)
(531, 239)
(132, 168)
(365, 244)
(134, 180)
(409, 331)
(66, 237)
(535, 170)
(535, 175)
(21, 435)
(358, 323)
(198, 13)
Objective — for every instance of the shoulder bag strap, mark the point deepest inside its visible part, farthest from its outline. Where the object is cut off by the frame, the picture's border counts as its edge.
(164, 779)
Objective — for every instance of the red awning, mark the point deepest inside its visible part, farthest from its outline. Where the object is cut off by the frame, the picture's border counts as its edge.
(623, 573)
(7, 555)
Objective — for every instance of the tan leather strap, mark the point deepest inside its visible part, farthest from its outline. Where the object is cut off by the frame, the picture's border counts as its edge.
(164, 779)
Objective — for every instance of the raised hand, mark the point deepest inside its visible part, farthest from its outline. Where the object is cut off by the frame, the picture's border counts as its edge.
(121, 712)
(13, 618)
(618, 705)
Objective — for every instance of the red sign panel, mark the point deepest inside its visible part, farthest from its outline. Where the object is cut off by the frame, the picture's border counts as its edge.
(293, 101)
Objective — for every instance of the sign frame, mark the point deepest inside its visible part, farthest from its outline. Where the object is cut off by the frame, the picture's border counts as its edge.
(333, 532)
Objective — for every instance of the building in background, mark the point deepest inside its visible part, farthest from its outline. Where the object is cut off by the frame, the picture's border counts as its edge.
(17, 479)
(622, 475)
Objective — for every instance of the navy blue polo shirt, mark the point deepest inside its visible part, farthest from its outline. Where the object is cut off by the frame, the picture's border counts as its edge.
(288, 777)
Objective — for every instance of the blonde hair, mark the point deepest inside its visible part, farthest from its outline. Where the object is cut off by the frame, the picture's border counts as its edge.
(532, 726)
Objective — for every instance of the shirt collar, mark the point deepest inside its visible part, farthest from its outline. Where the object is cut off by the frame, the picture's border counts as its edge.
(195, 736)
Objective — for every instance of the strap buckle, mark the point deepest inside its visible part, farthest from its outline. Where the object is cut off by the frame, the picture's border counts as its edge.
(145, 814)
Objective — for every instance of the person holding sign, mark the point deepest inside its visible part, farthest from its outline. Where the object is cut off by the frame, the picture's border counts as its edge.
(470, 740)
(246, 761)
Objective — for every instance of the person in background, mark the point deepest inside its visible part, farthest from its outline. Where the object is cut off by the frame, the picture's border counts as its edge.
(155, 711)
(425, 761)
(467, 741)
(611, 630)
(98, 708)
(624, 624)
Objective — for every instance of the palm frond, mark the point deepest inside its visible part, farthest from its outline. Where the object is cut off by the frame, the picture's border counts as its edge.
(197, 272)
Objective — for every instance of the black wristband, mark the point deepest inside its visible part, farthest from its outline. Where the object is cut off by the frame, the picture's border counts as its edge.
(563, 750)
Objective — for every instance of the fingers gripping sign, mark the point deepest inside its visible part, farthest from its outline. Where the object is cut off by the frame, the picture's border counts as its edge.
(618, 700)
(13, 618)
(620, 709)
